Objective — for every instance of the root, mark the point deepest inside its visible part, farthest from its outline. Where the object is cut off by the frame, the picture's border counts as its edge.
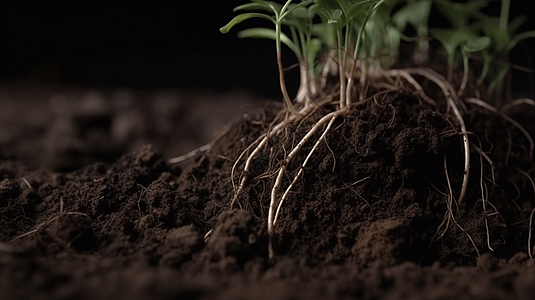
(261, 142)
(205, 148)
(385, 81)
(450, 215)
(484, 196)
(529, 233)
(419, 90)
(272, 215)
(452, 101)
(530, 228)
(489, 161)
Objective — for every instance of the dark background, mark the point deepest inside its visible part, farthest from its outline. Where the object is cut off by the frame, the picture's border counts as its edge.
(143, 44)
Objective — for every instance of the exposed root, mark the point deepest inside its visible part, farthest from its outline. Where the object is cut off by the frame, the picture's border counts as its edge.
(450, 217)
(452, 101)
(272, 215)
(205, 148)
(484, 195)
(384, 82)
(419, 90)
(489, 161)
(530, 229)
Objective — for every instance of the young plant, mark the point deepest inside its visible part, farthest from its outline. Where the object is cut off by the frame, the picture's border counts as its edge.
(359, 33)
(492, 38)
(504, 36)
(280, 13)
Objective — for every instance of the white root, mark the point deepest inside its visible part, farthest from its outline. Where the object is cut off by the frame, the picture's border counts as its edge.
(450, 215)
(419, 90)
(190, 154)
(517, 102)
(205, 148)
(489, 161)
(450, 95)
(529, 233)
(282, 170)
(262, 142)
(344, 105)
(530, 229)
(256, 151)
(484, 198)
(301, 169)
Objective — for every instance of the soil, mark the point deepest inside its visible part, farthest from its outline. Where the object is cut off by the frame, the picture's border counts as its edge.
(91, 208)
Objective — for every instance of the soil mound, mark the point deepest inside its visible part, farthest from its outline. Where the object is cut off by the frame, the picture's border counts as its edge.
(373, 216)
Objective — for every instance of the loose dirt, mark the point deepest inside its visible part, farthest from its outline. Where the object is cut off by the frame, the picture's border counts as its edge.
(90, 210)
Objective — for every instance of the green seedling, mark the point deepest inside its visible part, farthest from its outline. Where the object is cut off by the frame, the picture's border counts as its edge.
(504, 37)
(279, 14)
(416, 13)
(461, 31)
(471, 45)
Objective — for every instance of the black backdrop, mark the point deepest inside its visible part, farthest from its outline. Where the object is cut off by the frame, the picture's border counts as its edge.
(146, 44)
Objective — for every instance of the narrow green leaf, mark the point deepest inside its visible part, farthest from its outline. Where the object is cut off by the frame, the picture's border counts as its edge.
(515, 24)
(266, 33)
(474, 45)
(293, 7)
(262, 5)
(415, 13)
(359, 9)
(240, 18)
(301, 13)
(449, 38)
(520, 37)
(459, 13)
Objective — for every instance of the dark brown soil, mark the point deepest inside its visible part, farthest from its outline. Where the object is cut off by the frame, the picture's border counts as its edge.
(90, 210)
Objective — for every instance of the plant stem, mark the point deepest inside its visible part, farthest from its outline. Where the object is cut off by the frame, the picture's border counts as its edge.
(282, 80)
(504, 15)
(341, 68)
(465, 73)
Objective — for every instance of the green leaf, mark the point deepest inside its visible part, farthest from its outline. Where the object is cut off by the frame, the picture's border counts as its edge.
(359, 10)
(240, 18)
(474, 45)
(266, 33)
(260, 5)
(313, 48)
(449, 38)
(336, 14)
(459, 13)
(324, 33)
(515, 24)
(499, 38)
(520, 37)
(293, 7)
(302, 13)
(415, 13)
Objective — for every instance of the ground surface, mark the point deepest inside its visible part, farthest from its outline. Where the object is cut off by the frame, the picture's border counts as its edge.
(88, 210)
